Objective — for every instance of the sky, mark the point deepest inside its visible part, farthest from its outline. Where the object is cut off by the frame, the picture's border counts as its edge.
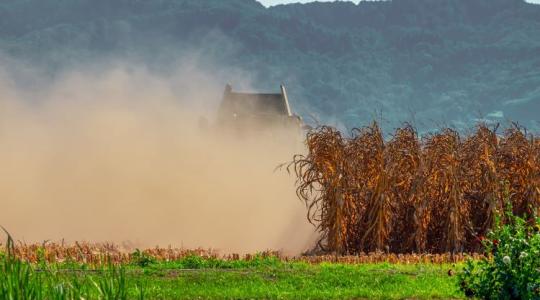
(275, 2)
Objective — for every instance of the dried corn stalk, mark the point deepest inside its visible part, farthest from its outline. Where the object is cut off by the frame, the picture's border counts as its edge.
(435, 194)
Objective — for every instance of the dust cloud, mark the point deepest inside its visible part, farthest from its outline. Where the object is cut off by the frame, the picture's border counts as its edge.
(117, 155)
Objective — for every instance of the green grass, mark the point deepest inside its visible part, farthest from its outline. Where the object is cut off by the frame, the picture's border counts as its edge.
(296, 280)
(197, 278)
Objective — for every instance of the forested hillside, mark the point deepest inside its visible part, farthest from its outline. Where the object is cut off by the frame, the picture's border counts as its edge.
(430, 61)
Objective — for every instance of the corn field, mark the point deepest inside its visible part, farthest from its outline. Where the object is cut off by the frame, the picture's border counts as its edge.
(102, 255)
(433, 194)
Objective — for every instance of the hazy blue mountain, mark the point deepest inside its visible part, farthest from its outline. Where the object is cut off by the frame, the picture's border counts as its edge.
(430, 61)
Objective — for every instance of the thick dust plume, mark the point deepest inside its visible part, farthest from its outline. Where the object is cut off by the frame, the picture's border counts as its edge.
(118, 156)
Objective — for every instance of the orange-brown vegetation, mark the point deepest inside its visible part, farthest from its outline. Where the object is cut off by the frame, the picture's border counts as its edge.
(433, 194)
(101, 254)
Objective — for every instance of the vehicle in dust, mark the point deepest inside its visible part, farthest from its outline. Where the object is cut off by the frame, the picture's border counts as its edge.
(243, 112)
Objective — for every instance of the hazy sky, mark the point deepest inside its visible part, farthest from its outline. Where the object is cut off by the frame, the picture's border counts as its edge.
(274, 2)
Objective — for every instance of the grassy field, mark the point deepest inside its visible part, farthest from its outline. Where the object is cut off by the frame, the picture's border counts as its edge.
(194, 277)
(293, 281)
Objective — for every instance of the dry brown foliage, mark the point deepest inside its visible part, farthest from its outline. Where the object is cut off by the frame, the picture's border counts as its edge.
(103, 254)
(98, 254)
(437, 194)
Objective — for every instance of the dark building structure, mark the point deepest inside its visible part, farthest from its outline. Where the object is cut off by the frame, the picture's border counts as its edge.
(245, 110)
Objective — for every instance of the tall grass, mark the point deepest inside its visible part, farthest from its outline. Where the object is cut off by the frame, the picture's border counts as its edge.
(22, 280)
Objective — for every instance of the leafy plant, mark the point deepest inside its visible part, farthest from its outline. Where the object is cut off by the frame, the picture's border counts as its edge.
(142, 259)
(511, 267)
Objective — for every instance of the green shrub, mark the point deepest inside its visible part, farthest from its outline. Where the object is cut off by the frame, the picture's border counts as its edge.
(511, 267)
(194, 262)
(141, 259)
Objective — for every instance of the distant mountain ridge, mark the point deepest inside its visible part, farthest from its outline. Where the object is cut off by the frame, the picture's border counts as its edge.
(446, 61)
